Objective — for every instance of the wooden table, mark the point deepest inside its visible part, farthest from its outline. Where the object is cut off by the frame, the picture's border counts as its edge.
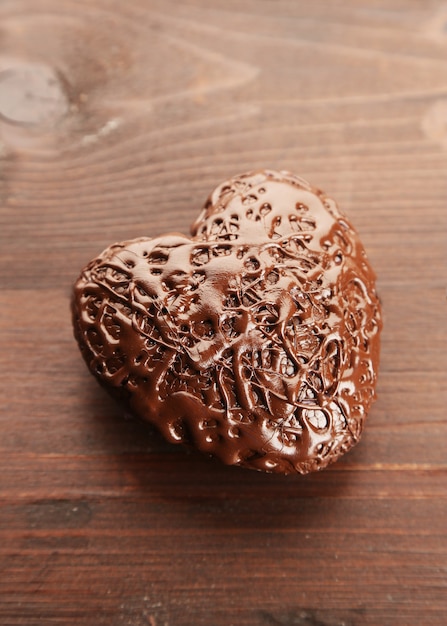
(116, 120)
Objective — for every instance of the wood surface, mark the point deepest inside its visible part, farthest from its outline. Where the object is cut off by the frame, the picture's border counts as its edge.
(116, 120)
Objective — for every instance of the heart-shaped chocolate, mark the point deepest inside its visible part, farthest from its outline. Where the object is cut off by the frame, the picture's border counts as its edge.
(256, 340)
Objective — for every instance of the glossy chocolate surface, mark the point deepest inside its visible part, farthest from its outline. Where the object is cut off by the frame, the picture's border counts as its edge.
(255, 340)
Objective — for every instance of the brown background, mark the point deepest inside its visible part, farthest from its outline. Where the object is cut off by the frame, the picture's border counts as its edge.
(116, 120)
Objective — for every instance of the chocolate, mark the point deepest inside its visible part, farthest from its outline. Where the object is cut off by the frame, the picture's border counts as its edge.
(255, 340)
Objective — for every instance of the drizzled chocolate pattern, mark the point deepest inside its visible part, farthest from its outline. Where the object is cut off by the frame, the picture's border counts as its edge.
(255, 340)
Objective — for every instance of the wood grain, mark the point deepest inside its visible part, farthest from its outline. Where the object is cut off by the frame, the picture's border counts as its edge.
(116, 120)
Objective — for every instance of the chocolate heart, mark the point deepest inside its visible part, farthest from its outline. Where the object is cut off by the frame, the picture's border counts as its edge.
(256, 340)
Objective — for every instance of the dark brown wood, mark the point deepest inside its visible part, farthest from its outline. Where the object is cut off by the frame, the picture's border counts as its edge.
(116, 120)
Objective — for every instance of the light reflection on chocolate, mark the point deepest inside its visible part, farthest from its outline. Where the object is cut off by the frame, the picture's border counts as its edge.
(256, 340)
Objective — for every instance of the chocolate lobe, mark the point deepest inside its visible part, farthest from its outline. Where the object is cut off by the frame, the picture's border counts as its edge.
(256, 340)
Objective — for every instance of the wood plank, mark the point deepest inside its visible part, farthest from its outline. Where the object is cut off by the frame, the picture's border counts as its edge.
(116, 121)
